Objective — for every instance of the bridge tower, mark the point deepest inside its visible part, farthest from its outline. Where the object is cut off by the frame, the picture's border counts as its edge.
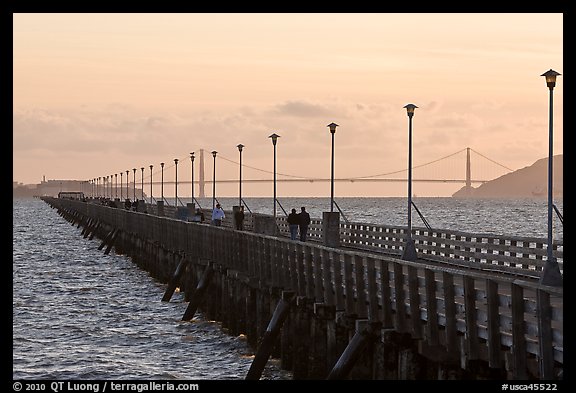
(201, 180)
(468, 176)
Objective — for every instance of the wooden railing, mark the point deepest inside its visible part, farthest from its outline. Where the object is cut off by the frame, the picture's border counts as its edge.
(526, 255)
(488, 251)
(512, 254)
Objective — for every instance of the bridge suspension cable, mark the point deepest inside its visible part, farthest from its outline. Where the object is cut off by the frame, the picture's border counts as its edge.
(491, 160)
(404, 170)
(358, 178)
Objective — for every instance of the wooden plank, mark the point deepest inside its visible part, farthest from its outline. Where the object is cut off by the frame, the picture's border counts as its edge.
(493, 324)
(414, 297)
(518, 333)
(386, 295)
(471, 318)
(328, 282)
(431, 308)
(373, 313)
(301, 268)
(361, 309)
(250, 250)
(308, 263)
(284, 278)
(349, 284)
(272, 261)
(545, 344)
(317, 267)
(399, 297)
(450, 312)
(261, 268)
(293, 263)
(339, 288)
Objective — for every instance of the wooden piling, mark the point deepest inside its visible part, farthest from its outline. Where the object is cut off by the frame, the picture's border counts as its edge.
(199, 292)
(106, 239)
(267, 343)
(363, 338)
(112, 241)
(175, 279)
(302, 338)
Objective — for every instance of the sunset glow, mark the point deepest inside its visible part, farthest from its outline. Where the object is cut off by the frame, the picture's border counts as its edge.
(97, 94)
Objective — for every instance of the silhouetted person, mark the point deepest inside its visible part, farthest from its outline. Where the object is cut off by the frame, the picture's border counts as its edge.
(239, 218)
(303, 222)
(198, 216)
(127, 204)
(293, 220)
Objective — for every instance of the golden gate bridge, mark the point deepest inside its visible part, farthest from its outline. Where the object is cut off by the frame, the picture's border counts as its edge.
(465, 166)
(434, 171)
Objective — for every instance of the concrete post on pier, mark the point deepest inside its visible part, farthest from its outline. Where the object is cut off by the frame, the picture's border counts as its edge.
(265, 225)
(181, 213)
(141, 206)
(331, 229)
(160, 205)
(191, 208)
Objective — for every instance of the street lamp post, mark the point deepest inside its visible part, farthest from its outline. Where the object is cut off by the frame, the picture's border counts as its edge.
(162, 183)
(111, 181)
(240, 147)
(274, 140)
(116, 187)
(192, 182)
(142, 182)
(214, 181)
(551, 273)
(176, 184)
(151, 200)
(332, 131)
(127, 184)
(121, 186)
(134, 184)
(409, 253)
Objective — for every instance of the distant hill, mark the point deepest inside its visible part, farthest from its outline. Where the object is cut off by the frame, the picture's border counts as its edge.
(528, 182)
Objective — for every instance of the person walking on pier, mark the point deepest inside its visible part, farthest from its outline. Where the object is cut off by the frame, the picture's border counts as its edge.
(293, 221)
(303, 222)
(239, 218)
(218, 215)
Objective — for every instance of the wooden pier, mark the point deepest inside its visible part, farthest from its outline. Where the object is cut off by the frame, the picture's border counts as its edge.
(471, 307)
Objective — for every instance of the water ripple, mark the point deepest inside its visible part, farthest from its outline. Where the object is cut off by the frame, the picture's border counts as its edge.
(79, 314)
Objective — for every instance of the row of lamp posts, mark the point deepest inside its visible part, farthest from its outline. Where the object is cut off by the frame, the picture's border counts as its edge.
(551, 274)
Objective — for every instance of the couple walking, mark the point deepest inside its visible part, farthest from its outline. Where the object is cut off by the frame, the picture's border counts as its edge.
(299, 221)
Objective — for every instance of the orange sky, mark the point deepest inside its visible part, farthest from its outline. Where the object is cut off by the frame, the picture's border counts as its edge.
(97, 94)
